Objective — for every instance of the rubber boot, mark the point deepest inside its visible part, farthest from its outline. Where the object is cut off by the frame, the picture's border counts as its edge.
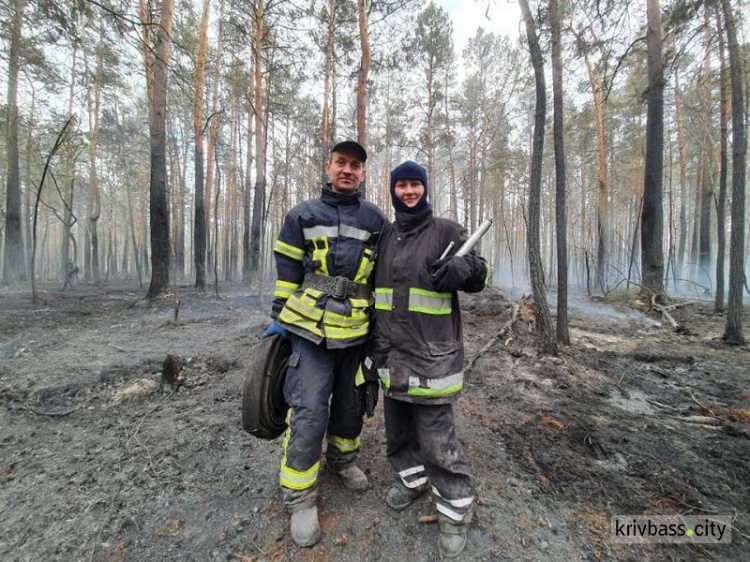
(400, 497)
(305, 525)
(352, 477)
(451, 545)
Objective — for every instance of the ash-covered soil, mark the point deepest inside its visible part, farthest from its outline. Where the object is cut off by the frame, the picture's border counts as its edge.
(99, 462)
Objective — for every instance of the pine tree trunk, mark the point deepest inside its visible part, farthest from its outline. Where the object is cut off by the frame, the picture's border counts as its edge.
(364, 71)
(199, 230)
(544, 326)
(14, 266)
(733, 330)
(259, 202)
(159, 210)
(721, 205)
(652, 258)
(563, 333)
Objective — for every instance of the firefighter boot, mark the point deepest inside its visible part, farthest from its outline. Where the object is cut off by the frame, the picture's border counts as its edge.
(352, 477)
(451, 545)
(400, 497)
(305, 525)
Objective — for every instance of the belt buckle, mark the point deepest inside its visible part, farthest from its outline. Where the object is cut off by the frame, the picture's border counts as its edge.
(339, 287)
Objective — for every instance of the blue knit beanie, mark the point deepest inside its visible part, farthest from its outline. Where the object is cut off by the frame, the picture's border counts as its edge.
(409, 171)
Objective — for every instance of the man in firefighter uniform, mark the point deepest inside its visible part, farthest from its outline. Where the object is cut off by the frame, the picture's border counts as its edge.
(419, 354)
(325, 255)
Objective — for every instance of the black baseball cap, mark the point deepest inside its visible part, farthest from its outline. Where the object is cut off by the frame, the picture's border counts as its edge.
(352, 147)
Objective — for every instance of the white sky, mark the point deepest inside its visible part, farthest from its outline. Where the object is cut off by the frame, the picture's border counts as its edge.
(501, 17)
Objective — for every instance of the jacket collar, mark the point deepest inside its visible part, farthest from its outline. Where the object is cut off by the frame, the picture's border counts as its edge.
(409, 223)
(337, 198)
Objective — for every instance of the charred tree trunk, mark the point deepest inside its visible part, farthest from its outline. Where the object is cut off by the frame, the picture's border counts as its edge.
(544, 322)
(260, 146)
(721, 205)
(563, 334)
(364, 71)
(199, 230)
(159, 209)
(652, 256)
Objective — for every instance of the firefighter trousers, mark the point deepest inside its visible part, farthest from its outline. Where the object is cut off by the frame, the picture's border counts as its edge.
(317, 376)
(423, 448)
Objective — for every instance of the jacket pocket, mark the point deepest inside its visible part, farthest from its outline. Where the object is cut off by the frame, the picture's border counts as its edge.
(441, 348)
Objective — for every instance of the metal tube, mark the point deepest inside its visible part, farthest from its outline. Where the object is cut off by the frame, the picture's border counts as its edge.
(474, 238)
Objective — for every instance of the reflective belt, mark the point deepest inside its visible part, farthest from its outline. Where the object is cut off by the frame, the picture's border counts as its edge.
(429, 302)
(383, 298)
(431, 388)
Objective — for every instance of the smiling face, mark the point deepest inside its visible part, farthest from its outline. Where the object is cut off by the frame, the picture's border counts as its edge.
(345, 172)
(409, 191)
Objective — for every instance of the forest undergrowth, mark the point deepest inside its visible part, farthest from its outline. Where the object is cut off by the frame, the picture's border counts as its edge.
(99, 460)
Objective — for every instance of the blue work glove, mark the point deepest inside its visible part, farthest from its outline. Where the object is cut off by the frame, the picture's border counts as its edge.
(450, 274)
(274, 328)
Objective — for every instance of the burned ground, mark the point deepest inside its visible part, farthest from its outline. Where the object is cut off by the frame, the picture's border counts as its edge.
(100, 461)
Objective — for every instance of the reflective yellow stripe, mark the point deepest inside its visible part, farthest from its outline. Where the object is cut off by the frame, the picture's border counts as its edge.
(293, 319)
(365, 267)
(359, 378)
(383, 298)
(284, 289)
(428, 302)
(359, 303)
(304, 306)
(295, 479)
(358, 318)
(335, 333)
(343, 445)
(385, 377)
(321, 254)
(288, 250)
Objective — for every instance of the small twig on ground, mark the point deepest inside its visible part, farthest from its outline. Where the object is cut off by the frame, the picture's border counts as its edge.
(700, 405)
(50, 414)
(427, 518)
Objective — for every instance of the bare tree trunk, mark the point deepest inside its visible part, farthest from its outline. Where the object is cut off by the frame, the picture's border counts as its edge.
(733, 330)
(707, 192)
(563, 333)
(683, 178)
(721, 205)
(96, 203)
(199, 230)
(545, 330)
(66, 195)
(364, 71)
(14, 263)
(260, 145)
(159, 210)
(652, 258)
(246, 200)
(324, 133)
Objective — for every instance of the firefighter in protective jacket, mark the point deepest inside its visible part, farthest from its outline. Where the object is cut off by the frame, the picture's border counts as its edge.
(419, 354)
(325, 254)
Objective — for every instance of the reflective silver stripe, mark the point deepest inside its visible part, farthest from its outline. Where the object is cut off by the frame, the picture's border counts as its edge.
(410, 471)
(335, 231)
(383, 298)
(462, 502)
(320, 232)
(415, 483)
(429, 302)
(437, 384)
(352, 232)
(445, 510)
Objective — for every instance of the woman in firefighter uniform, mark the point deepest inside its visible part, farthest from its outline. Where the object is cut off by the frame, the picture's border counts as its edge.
(419, 354)
(325, 255)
